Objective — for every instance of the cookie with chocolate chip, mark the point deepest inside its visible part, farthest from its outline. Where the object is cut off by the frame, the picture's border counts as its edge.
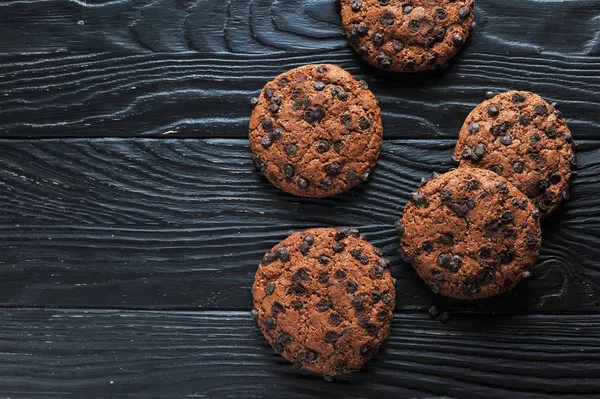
(523, 138)
(324, 299)
(470, 234)
(316, 131)
(408, 36)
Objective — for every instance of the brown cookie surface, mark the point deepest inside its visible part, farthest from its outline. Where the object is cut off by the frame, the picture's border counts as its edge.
(407, 36)
(470, 234)
(316, 131)
(524, 139)
(324, 300)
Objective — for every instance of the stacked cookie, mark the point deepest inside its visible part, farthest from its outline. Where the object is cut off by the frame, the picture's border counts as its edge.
(474, 232)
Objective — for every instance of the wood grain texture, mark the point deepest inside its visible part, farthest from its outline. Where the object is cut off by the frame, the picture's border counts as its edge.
(183, 223)
(170, 68)
(77, 353)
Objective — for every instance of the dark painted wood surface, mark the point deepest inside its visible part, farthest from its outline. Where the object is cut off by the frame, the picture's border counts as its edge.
(75, 353)
(128, 200)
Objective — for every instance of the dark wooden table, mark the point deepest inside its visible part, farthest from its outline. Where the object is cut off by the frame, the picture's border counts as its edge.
(132, 219)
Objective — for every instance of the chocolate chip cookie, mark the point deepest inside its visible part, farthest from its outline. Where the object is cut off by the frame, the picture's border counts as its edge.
(521, 137)
(324, 299)
(316, 131)
(470, 234)
(407, 36)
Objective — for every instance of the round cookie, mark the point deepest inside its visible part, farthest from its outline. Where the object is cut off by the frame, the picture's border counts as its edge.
(524, 139)
(407, 36)
(316, 131)
(470, 234)
(324, 300)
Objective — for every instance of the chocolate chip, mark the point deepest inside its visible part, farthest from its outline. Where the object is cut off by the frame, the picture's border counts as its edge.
(473, 127)
(339, 274)
(518, 167)
(431, 60)
(440, 34)
(377, 39)
(535, 138)
(303, 183)
(440, 13)
(309, 239)
(464, 12)
(333, 169)
(291, 149)
(536, 213)
(531, 241)
(573, 161)
(323, 146)
(331, 337)
(419, 199)
(338, 247)
(357, 302)
(366, 350)
(386, 298)
(315, 115)
(397, 45)
(447, 239)
(435, 288)
(408, 9)
(277, 308)
(506, 139)
(300, 276)
(458, 39)
(362, 29)
(445, 317)
(568, 137)
(283, 254)
(461, 210)
(540, 109)
(319, 86)
(383, 263)
(518, 98)
(497, 170)
(356, 5)
(524, 120)
(364, 123)
(485, 253)
(502, 188)
(267, 124)
(384, 61)
(269, 258)
(268, 93)
(410, 64)
(446, 195)
(378, 271)
(254, 101)
(269, 323)
(433, 311)
(493, 111)
(324, 260)
(413, 26)
(507, 217)
(383, 316)
(387, 18)
(269, 288)
(339, 366)
(507, 256)
(555, 178)
(479, 152)
(551, 131)
(323, 305)
(254, 314)
(304, 247)
(450, 262)
(467, 153)
(335, 319)
(351, 287)
(289, 171)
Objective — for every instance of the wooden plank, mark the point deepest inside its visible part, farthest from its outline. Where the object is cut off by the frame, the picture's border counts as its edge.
(86, 353)
(183, 223)
(119, 75)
